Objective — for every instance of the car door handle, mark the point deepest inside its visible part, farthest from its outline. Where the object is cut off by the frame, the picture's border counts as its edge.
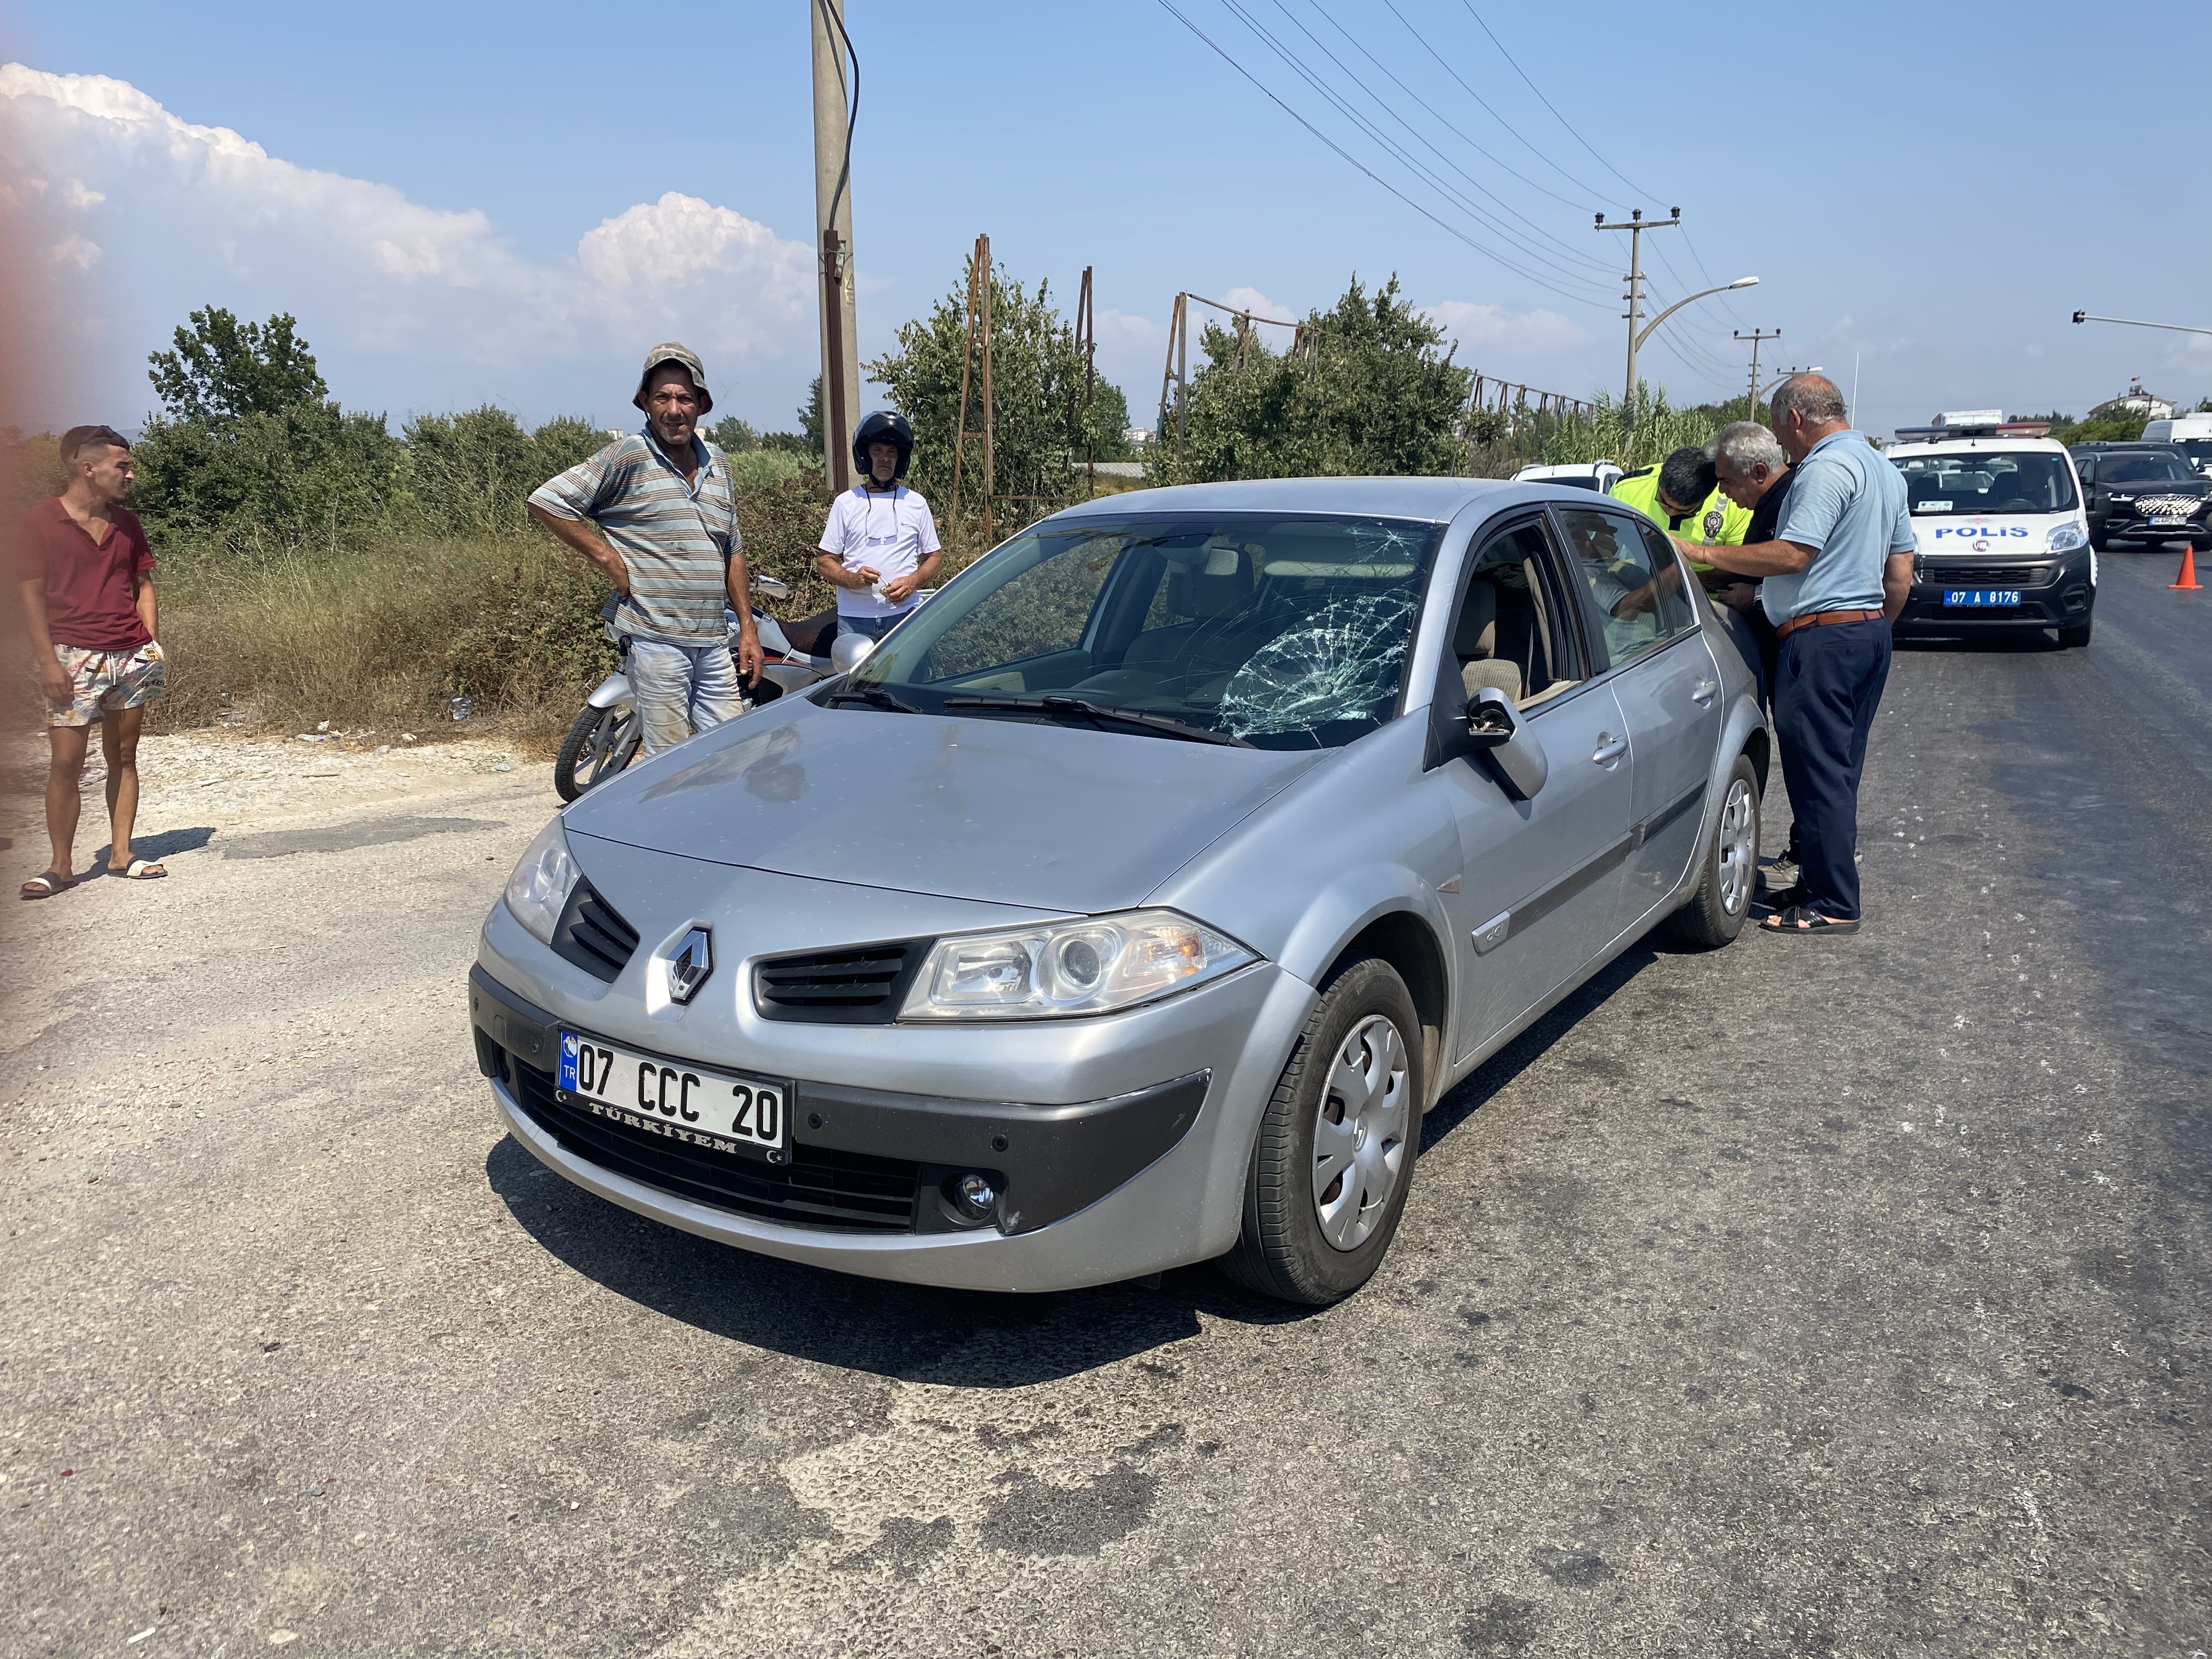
(1609, 748)
(1704, 691)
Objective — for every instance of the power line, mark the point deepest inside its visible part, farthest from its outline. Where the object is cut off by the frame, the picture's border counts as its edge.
(1580, 258)
(1546, 102)
(1343, 155)
(1299, 67)
(1501, 121)
(1521, 242)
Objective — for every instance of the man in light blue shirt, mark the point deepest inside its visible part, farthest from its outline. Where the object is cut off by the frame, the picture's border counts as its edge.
(1837, 571)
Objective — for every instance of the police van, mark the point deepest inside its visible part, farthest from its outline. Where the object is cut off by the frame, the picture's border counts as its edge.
(2004, 540)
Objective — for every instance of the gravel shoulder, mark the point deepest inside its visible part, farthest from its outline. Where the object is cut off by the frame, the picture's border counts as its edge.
(1792, 1299)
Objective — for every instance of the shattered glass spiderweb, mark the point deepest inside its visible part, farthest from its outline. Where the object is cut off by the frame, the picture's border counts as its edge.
(1339, 666)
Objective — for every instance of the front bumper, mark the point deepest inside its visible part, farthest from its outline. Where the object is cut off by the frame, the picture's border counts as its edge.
(2055, 591)
(2119, 525)
(1132, 1159)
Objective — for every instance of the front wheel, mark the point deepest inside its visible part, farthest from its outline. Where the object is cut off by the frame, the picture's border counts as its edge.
(1334, 1155)
(601, 743)
(2078, 635)
(1714, 913)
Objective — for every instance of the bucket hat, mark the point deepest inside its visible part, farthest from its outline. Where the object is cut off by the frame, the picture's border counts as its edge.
(675, 351)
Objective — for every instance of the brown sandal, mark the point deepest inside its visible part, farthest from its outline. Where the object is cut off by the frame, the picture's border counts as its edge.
(46, 883)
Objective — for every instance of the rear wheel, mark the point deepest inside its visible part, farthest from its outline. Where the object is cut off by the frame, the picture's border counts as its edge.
(1714, 913)
(1334, 1155)
(601, 743)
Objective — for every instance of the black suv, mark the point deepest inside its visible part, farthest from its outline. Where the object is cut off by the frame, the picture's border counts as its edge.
(2143, 493)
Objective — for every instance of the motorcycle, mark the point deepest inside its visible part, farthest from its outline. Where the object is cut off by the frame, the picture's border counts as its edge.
(605, 738)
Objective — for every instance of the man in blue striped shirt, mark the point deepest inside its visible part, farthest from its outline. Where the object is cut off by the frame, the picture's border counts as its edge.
(658, 512)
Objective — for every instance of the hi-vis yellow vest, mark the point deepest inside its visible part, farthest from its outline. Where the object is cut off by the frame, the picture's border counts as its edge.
(1718, 522)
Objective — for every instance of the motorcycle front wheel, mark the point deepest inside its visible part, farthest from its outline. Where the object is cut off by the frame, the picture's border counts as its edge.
(601, 743)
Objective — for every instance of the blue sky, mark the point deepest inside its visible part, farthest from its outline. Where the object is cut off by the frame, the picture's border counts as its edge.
(507, 204)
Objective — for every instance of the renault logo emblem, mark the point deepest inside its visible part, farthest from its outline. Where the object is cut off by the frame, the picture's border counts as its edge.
(689, 967)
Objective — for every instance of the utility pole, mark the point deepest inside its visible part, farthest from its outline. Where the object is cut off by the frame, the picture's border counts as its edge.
(979, 333)
(1086, 341)
(1755, 337)
(834, 120)
(1636, 225)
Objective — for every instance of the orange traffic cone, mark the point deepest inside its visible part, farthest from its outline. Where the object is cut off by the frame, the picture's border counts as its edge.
(2188, 577)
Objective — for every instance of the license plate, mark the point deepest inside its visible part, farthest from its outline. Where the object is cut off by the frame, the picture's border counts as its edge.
(2168, 524)
(1975, 596)
(723, 1111)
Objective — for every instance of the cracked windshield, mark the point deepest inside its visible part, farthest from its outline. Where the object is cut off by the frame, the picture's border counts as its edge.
(1281, 633)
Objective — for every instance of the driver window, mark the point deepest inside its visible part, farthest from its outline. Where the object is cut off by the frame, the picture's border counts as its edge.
(1634, 580)
(1506, 634)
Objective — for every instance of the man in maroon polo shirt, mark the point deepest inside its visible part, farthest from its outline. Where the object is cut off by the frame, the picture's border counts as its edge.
(88, 578)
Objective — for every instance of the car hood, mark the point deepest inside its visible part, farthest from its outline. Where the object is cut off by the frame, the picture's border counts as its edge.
(2024, 535)
(1055, 818)
(2194, 486)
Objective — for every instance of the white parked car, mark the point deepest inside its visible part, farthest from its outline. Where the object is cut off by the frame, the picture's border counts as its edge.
(1598, 475)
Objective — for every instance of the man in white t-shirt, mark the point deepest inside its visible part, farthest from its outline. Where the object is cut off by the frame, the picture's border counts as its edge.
(879, 547)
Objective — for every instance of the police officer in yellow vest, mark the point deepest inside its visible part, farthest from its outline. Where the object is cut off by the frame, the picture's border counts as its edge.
(1682, 494)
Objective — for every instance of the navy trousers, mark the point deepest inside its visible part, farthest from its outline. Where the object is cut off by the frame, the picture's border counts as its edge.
(1828, 685)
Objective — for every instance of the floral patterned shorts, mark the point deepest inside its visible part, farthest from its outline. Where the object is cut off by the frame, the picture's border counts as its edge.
(102, 680)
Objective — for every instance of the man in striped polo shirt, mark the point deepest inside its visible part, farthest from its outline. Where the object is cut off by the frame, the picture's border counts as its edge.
(658, 512)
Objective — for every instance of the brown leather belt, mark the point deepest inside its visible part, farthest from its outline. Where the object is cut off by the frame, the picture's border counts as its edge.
(1823, 619)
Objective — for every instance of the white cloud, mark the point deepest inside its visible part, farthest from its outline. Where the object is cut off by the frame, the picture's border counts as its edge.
(193, 214)
(1477, 326)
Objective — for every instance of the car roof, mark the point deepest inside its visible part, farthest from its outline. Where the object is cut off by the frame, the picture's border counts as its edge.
(1968, 446)
(2122, 443)
(1440, 500)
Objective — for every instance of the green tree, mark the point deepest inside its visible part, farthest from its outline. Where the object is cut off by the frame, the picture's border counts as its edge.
(733, 436)
(311, 474)
(222, 368)
(1040, 428)
(471, 474)
(1367, 391)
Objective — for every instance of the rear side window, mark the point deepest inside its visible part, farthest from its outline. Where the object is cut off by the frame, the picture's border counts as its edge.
(1638, 590)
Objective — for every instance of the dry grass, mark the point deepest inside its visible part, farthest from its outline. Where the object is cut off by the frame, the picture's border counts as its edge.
(381, 635)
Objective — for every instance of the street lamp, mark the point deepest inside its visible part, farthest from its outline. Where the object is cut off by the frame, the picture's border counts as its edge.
(1779, 379)
(2179, 328)
(1636, 340)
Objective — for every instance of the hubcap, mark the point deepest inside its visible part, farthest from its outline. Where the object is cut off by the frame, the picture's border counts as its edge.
(1738, 846)
(1359, 1133)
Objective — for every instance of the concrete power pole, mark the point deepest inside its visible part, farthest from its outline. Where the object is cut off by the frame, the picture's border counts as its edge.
(833, 220)
(1755, 337)
(1636, 226)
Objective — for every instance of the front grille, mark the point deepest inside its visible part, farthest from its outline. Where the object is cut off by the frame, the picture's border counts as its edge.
(864, 986)
(1985, 575)
(2165, 506)
(593, 934)
(852, 1192)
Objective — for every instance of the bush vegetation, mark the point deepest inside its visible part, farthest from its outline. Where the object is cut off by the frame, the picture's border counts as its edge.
(313, 565)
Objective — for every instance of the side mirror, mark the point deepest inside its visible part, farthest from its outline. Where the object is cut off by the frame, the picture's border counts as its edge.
(848, 651)
(1494, 728)
(772, 587)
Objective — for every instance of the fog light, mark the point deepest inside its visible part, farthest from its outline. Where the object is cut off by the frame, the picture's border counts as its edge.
(972, 1196)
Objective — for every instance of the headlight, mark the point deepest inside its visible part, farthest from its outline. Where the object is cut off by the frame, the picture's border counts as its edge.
(1088, 967)
(2065, 537)
(538, 890)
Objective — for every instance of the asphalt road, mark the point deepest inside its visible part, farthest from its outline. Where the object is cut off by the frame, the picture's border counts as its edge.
(1803, 1298)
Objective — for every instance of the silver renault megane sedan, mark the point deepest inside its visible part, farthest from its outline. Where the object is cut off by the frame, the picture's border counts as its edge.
(1130, 903)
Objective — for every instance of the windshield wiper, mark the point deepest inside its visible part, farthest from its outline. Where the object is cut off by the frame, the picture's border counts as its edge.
(874, 695)
(1061, 707)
